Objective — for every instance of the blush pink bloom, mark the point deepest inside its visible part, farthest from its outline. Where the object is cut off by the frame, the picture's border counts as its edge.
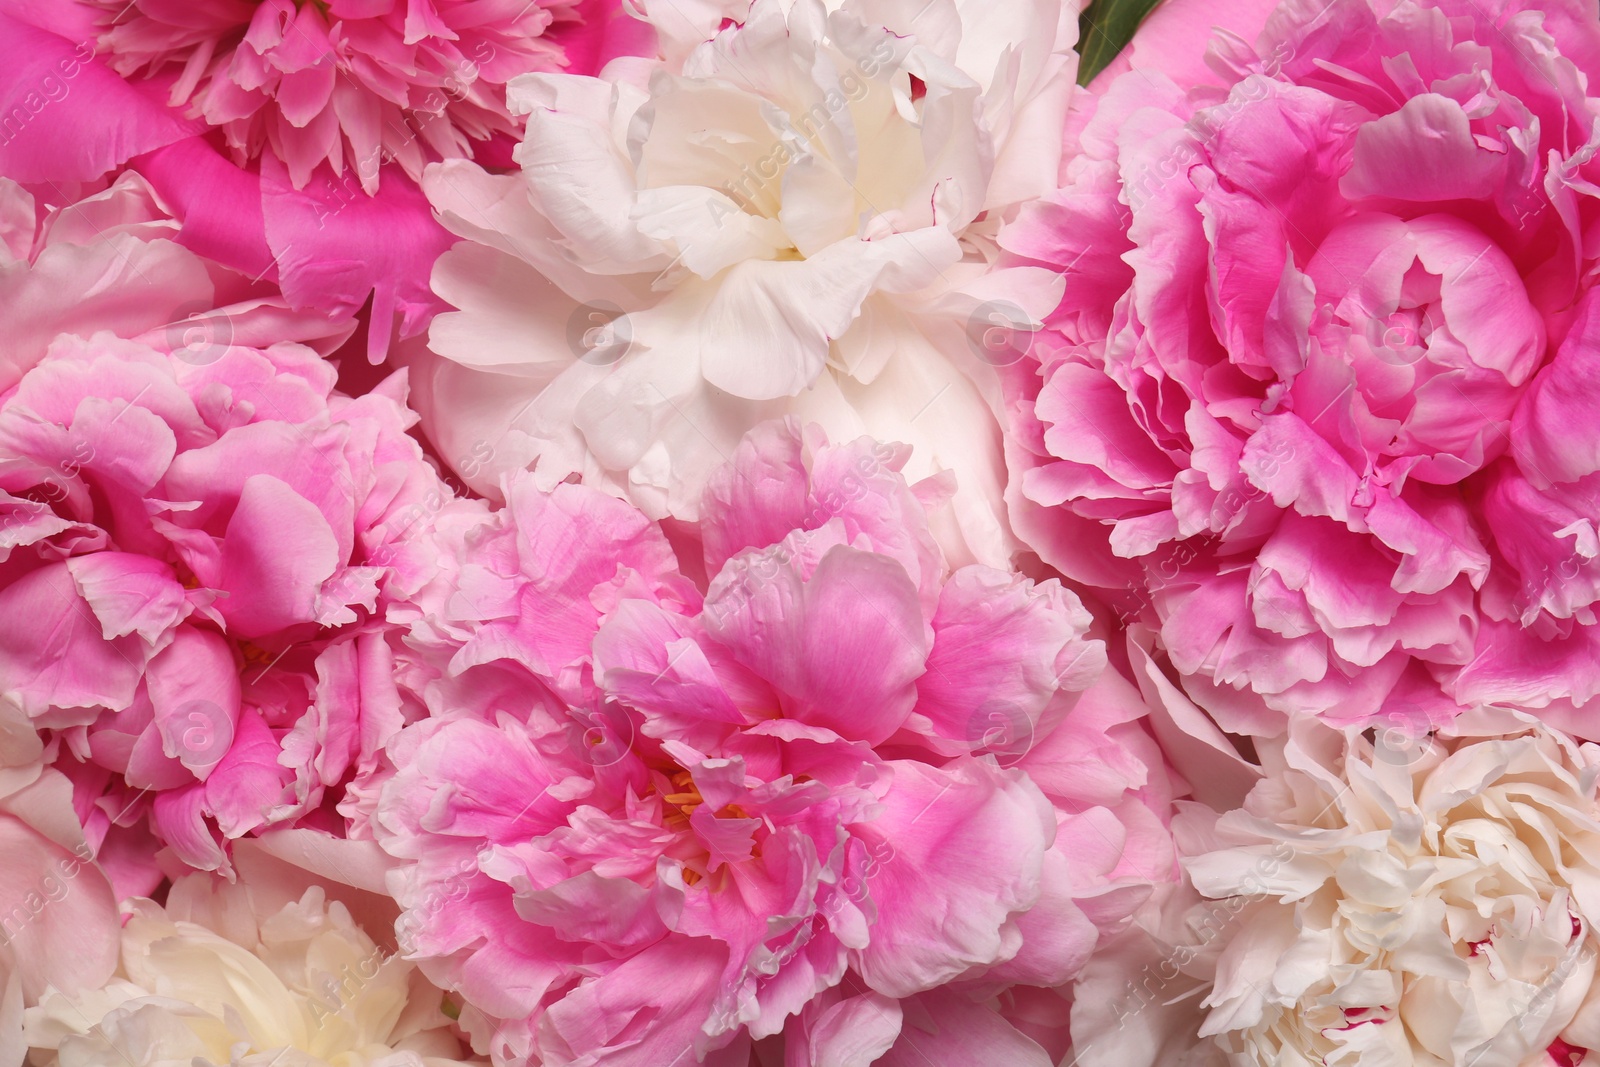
(642, 824)
(111, 258)
(1320, 385)
(199, 549)
(348, 83)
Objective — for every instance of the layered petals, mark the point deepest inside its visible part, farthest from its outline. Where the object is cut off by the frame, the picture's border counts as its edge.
(1298, 408)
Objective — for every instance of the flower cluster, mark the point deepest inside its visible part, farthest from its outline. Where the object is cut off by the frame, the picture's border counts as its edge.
(833, 533)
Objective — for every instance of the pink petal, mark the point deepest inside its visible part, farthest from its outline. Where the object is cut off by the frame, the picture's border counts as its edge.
(60, 917)
(53, 653)
(277, 553)
(644, 1012)
(249, 781)
(945, 1029)
(335, 245)
(129, 593)
(845, 647)
(69, 118)
(966, 847)
(1003, 644)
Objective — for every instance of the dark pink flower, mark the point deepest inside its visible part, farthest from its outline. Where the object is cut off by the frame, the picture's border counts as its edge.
(349, 82)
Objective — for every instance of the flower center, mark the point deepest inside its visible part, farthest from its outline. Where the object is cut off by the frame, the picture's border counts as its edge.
(696, 853)
(686, 799)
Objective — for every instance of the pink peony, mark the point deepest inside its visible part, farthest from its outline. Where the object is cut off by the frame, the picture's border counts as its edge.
(350, 83)
(1321, 382)
(640, 824)
(200, 546)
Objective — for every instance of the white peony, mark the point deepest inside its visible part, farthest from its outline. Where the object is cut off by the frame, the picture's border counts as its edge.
(1428, 903)
(207, 980)
(797, 217)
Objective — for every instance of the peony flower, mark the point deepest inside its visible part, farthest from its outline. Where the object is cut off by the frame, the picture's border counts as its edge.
(1402, 901)
(213, 977)
(312, 253)
(796, 216)
(1317, 387)
(347, 83)
(640, 825)
(200, 549)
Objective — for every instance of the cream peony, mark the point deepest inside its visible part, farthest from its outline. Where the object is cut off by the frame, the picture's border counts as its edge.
(209, 980)
(1408, 902)
(796, 218)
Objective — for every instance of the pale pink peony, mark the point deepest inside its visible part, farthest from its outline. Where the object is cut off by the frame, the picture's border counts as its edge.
(640, 827)
(1320, 386)
(200, 546)
(355, 84)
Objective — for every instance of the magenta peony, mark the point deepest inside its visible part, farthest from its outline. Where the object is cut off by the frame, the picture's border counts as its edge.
(314, 103)
(353, 84)
(1320, 387)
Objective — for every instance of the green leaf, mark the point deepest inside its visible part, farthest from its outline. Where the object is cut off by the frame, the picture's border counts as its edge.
(1104, 30)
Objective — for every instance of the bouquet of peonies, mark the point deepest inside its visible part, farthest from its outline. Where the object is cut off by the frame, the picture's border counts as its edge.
(799, 533)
